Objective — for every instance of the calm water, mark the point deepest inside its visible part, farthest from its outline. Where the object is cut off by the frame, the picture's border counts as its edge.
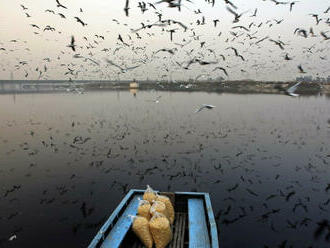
(265, 159)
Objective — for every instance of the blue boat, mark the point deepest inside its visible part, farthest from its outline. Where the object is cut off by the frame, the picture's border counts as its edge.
(194, 224)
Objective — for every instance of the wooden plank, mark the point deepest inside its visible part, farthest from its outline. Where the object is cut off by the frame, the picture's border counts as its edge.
(213, 224)
(183, 230)
(118, 232)
(198, 232)
(175, 232)
(100, 235)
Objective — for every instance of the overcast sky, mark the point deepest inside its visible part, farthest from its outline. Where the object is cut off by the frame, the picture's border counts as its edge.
(32, 53)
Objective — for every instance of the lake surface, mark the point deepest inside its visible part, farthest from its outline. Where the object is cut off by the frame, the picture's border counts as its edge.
(265, 160)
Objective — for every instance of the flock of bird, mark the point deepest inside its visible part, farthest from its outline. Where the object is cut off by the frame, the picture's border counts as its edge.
(242, 166)
(244, 48)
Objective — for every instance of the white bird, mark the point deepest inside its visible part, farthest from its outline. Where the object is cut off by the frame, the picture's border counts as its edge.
(155, 100)
(123, 70)
(12, 237)
(204, 106)
(292, 89)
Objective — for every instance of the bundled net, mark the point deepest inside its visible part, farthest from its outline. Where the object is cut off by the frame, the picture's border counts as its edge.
(169, 207)
(141, 229)
(160, 230)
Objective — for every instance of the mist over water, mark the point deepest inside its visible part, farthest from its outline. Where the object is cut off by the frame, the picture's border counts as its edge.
(263, 158)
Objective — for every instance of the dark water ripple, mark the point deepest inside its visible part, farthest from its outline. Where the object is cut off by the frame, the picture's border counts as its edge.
(67, 160)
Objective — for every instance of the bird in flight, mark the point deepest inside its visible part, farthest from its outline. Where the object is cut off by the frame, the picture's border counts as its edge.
(317, 19)
(123, 70)
(301, 70)
(287, 57)
(126, 7)
(59, 5)
(237, 16)
(277, 2)
(291, 5)
(80, 21)
(324, 35)
(255, 13)
(35, 26)
(292, 89)
(12, 237)
(156, 100)
(23, 7)
(50, 11)
(204, 106)
(221, 68)
(72, 45)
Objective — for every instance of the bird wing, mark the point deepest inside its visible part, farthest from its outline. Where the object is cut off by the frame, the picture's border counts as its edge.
(111, 63)
(200, 109)
(208, 106)
(72, 40)
(132, 67)
(161, 1)
(292, 89)
(224, 70)
(231, 11)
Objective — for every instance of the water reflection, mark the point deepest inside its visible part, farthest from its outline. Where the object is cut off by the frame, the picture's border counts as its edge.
(66, 160)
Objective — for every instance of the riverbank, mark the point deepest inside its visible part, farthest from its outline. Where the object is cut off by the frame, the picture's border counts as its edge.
(221, 87)
(242, 87)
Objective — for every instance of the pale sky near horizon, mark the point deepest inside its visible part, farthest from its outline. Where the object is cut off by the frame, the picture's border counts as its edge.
(34, 48)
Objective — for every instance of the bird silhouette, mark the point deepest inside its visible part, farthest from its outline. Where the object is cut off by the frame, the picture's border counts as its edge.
(204, 106)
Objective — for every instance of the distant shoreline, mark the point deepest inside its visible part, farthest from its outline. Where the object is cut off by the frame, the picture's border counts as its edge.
(31, 86)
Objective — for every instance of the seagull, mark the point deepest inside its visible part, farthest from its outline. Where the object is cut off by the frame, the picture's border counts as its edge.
(12, 237)
(292, 89)
(215, 22)
(50, 11)
(204, 106)
(61, 15)
(23, 7)
(255, 13)
(126, 7)
(155, 100)
(221, 68)
(301, 70)
(80, 21)
(287, 57)
(123, 70)
(324, 35)
(72, 45)
(291, 5)
(59, 5)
